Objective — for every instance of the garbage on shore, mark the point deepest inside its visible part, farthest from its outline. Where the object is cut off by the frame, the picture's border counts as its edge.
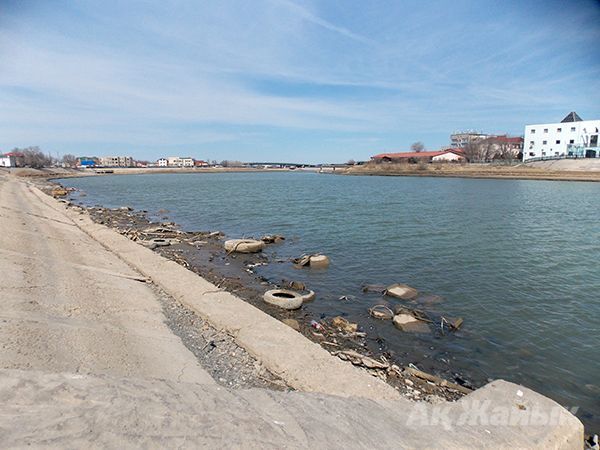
(409, 323)
(283, 298)
(402, 291)
(360, 360)
(381, 312)
(340, 338)
(383, 369)
(272, 239)
(344, 325)
(378, 288)
(453, 324)
(244, 246)
(59, 192)
(315, 261)
(308, 296)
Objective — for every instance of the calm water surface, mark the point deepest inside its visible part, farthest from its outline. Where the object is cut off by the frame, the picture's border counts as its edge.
(518, 260)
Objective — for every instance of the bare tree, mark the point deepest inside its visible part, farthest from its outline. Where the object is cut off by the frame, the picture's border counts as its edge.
(417, 147)
(351, 162)
(229, 163)
(471, 150)
(69, 160)
(506, 152)
(34, 157)
(480, 151)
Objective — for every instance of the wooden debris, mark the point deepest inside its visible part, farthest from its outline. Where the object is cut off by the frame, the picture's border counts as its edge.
(360, 360)
(437, 380)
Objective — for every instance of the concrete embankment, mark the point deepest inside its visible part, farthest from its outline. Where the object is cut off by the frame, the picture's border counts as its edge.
(87, 359)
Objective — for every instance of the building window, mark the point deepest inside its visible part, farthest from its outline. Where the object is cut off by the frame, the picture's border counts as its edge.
(533, 131)
(572, 141)
(545, 130)
(544, 142)
(531, 142)
(558, 130)
(531, 154)
(556, 153)
(572, 129)
(558, 141)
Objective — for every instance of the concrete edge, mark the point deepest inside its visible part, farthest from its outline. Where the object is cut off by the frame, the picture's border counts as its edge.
(305, 366)
(302, 364)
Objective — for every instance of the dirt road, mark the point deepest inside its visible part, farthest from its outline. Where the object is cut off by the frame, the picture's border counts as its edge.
(69, 305)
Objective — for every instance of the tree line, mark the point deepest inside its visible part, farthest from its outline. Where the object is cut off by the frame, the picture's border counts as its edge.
(35, 158)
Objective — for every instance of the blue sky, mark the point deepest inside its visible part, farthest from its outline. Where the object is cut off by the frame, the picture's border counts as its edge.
(283, 80)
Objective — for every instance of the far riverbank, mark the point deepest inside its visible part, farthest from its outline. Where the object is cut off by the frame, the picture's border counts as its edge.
(564, 170)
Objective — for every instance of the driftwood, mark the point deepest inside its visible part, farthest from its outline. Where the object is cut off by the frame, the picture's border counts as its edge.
(437, 380)
(359, 360)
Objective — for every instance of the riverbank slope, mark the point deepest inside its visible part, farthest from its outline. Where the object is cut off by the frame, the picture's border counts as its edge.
(88, 357)
(564, 170)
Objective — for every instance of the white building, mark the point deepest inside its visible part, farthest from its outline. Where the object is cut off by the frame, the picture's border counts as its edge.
(116, 161)
(186, 161)
(448, 155)
(572, 137)
(12, 159)
(7, 161)
(176, 161)
(460, 139)
(173, 161)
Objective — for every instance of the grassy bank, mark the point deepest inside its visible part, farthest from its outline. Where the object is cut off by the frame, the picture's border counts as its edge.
(520, 171)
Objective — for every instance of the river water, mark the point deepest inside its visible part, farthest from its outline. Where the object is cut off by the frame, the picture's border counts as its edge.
(518, 260)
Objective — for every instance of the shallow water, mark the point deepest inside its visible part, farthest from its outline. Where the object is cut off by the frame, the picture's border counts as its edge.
(518, 260)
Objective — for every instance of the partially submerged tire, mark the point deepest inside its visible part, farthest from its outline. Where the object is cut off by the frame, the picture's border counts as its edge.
(244, 245)
(283, 298)
(381, 312)
(309, 296)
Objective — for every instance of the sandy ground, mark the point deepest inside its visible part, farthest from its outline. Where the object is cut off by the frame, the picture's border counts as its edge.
(70, 305)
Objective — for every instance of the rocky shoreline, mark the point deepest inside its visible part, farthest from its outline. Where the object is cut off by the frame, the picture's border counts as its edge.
(202, 252)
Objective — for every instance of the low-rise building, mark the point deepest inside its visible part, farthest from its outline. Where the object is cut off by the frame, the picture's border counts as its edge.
(448, 155)
(116, 161)
(87, 161)
(176, 161)
(173, 161)
(572, 137)
(461, 139)
(186, 161)
(11, 159)
(199, 163)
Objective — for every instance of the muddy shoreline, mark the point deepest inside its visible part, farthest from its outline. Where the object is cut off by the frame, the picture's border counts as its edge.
(202, 252)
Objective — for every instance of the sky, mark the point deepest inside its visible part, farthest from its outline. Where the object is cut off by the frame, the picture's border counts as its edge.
(311, 81)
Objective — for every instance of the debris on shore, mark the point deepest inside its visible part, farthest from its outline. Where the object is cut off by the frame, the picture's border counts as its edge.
(202, 252)
(244, 246)
(315, 261)
(402, 291)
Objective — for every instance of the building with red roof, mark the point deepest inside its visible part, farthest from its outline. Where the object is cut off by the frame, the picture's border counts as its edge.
(11, 159)
(446, 155)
